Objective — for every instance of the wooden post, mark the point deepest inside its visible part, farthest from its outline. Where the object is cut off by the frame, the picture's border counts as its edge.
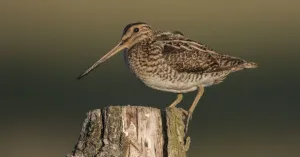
(133, 131)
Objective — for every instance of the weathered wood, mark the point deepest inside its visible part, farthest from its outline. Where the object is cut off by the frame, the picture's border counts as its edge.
(133, 131)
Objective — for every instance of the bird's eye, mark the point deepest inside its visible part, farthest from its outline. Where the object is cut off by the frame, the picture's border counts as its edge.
(136, 30)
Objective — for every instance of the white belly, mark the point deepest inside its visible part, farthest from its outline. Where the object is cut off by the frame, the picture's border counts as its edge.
(178, 86)
(168, 86)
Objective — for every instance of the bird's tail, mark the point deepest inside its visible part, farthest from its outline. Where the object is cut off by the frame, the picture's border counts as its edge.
(250, 65)
(246, 65)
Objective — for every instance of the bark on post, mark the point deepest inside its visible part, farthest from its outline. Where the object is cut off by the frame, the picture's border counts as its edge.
(133, 131)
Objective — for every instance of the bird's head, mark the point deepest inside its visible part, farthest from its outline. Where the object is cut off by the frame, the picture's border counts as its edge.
(132, 34)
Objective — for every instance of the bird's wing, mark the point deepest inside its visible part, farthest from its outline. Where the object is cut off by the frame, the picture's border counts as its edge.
(185, 55)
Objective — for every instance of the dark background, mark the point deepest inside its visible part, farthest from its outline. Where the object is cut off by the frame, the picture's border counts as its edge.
(45, 45)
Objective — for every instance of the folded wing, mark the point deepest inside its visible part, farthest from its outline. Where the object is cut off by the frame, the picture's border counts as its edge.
(185, 55)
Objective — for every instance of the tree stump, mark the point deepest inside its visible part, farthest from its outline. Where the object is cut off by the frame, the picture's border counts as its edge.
(133, 131)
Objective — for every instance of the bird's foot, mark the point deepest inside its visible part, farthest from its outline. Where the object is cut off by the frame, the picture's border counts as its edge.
(189, 117)
(185, 112)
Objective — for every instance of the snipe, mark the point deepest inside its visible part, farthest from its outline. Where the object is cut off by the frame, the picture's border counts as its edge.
(169, 61)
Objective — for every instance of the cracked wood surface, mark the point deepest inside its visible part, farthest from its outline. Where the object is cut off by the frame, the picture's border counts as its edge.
(133, 131)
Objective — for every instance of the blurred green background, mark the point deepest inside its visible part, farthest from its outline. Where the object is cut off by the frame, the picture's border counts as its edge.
(45, 45)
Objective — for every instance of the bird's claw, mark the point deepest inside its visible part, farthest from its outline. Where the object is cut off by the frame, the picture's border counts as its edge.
(189, 117)
(185, 112)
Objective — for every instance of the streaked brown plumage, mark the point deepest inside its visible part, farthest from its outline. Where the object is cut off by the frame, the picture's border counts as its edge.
(171, 62)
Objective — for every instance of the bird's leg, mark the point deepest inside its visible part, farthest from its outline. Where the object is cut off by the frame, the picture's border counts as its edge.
(194, 104)
(177, 101)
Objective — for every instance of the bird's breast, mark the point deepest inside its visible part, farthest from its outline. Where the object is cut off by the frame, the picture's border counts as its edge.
(142, 63)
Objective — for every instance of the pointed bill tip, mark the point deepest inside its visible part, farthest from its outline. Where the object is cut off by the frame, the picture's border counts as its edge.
(81, 76)
(93, 67)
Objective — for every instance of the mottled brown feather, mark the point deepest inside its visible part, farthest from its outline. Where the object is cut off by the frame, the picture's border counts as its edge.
(185, 55)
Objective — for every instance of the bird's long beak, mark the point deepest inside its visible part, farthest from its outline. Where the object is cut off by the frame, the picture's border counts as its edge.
(111, 53)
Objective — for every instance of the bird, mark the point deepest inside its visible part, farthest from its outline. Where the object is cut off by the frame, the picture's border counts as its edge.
(171, 62)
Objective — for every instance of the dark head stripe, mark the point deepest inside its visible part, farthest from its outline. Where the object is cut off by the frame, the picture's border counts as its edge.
(130, 25)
